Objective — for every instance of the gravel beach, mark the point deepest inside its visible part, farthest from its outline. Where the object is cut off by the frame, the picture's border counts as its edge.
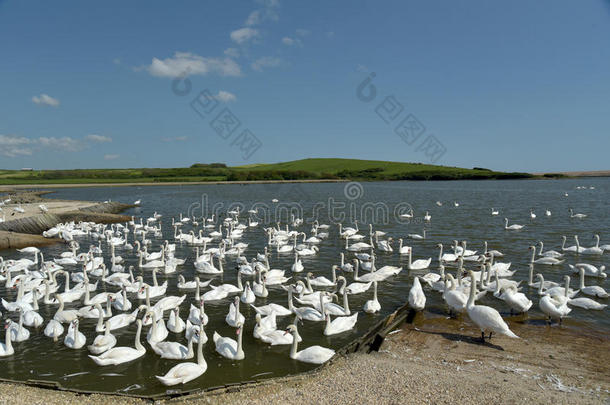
(437, 362)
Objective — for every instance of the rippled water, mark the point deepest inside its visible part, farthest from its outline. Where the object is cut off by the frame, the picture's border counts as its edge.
(40, 359)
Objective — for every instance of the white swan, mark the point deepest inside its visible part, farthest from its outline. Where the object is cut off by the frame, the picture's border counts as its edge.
(120, 355)
(578, 216)
(593, 290)
(590, 270)
(74, 339)
(185, 372)
(297, 266)
(313, 354)
(419, 264)
(54, 329)
(340, 324)
(175, 350)
(455, 299)
(417, 298)
(514, 227)
(372, 306)
(552, 261)
(175, 324)
(234, 318)
(517, 301)
(417, 236)
(486, 318)
(6, 348)
(228, 347)
(554, 307)
(104, 342)
(549, 253)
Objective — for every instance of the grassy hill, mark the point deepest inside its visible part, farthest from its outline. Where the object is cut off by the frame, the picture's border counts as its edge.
(305, 169)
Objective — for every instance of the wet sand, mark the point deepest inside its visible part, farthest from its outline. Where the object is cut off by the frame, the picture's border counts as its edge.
(437, 361)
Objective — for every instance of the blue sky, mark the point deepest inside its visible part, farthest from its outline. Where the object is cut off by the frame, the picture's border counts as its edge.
(514, 85)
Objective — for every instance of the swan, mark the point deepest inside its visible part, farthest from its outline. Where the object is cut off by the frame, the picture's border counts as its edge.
(266, 310)
(248, 297)
(447, 257)
(532, 215)
(185, 372)
(228, 347)
(54, 329)
(175, 350)
(385, 245)
(33, 318)
(603, 247)
(517, 301)
(558, 291)
(420, 264)
(121, 302)
(191, 285)
(554, 307)
(94, 311)
(547, 213)
(158, 331)
(104, 342)
(578, 216)
(297, 266)
(549, 253)
(120, 355)
(234, 318)
(74, 339)
(493, 252)
(372, 306)
(356, 287)
(552, 261)
(427, 217)
(593, 290)
(403, 250)
(572, 248)
(494, 211)
(313, 354)
(335, 309)
(545, 284)
(455, 299)
(513, 227)
(264, 325)
(590, 270)
(152, 291)
(417, 236)
(417, 298)
(586, 303)
(6, 348)
(322, 281)
(18, 332)
(175, 323)
(486, 318)
(64, 316)
(307, 313)
(340, 324)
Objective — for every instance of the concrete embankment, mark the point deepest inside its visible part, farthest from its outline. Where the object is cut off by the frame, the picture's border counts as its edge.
(26, 228)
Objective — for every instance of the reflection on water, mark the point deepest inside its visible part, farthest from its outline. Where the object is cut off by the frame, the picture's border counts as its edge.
(40, 358)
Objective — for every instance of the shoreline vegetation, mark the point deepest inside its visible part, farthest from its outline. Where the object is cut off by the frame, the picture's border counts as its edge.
(299, 170)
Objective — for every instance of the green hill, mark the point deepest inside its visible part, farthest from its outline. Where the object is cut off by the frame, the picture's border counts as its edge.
(305, 169)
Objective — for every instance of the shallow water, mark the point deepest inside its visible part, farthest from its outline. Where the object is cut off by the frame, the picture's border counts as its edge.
(40, 358)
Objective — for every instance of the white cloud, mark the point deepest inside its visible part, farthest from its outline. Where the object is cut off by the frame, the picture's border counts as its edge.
(45, 99)
(12, 146)
(266, 61)
(225, 96)
(288, 41)
(186, 63)
(254, 18)
(243, 35)
(98, 138)
(175, 139)
(111, 157)
(232, 53)
(65, 143)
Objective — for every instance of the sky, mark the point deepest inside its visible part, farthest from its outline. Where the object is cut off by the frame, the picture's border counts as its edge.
(519, 85)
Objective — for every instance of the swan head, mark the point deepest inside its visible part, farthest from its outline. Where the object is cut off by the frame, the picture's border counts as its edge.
(292, 329)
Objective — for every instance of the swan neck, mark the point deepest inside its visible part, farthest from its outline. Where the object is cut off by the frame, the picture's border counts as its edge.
(473, 286)
(138, 344)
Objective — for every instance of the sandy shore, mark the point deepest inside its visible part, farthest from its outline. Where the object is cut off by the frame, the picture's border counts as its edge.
(437, 361)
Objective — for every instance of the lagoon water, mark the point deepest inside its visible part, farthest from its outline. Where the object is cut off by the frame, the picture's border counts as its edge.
(379, 203)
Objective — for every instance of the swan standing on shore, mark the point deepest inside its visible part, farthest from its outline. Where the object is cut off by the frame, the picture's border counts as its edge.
(486, 318)
(417, 299)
